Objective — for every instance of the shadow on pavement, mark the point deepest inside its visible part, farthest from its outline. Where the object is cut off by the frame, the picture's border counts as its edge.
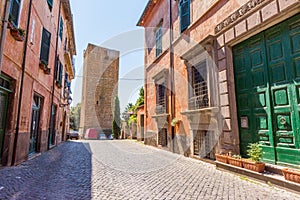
(61, 173)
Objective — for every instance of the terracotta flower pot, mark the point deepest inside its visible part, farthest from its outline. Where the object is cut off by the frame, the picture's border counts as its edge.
(222, 158)
(291, 174)
(16, 35)
(235, 161)
(254, 166)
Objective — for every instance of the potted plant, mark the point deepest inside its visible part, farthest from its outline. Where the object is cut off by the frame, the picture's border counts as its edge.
(235, 160)
(18, 34)
(253, 163)
(222, 158)
(43, 65)
(47, 71)
(291, 174)
(174, 121)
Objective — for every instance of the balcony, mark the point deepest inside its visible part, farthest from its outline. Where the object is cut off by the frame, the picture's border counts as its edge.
(69, 64)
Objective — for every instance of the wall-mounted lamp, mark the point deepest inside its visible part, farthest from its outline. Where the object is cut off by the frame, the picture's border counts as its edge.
(66, 104)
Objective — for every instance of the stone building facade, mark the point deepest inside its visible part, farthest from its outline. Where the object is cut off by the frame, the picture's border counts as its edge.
(227, 73)
(99, 88)
(36, 73)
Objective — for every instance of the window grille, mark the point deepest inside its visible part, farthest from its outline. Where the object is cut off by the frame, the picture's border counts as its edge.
(160, 99)
(163, 137)
(199, 98)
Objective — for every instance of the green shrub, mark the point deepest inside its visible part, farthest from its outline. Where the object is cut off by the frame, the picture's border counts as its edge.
(254, 152)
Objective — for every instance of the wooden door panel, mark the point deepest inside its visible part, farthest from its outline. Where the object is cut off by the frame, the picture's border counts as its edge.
(3, 113)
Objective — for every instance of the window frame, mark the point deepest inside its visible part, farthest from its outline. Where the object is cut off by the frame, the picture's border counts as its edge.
(161, 80)
(199, 97)
(15, 21)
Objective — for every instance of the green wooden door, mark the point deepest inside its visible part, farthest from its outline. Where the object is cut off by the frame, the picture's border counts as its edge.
(3, 113)
(267, 75)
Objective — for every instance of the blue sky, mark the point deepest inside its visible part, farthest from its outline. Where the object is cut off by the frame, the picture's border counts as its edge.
(111, 24)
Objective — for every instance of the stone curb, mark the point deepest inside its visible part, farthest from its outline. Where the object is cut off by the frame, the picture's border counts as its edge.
(277, 180)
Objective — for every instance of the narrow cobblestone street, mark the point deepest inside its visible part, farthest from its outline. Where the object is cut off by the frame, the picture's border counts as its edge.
(125, 170)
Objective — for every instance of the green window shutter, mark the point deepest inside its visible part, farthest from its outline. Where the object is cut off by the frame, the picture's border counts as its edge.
(61, 27)
(158, 40)
(50, 4)
(60, 73)
(56, 72)
(184, 9)
(15, 11)
(45, 46)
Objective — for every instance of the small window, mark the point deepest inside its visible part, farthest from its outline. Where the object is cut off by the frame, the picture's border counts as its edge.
(45, 47)
(15, 12)
(50, 4)
(184, 10)
(158, 39)
(61, 27)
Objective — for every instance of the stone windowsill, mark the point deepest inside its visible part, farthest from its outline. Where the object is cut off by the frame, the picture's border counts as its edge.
(208, 110)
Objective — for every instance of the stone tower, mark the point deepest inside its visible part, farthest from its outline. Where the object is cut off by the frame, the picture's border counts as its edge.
(99, 87)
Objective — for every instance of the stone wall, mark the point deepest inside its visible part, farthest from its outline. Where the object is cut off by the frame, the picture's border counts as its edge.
(100, 86)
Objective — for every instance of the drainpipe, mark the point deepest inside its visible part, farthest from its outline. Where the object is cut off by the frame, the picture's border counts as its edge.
(21, 86)
(4, 29)
(172, 73)
(54, 75)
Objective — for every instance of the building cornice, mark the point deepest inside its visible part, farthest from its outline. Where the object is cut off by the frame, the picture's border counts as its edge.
(150, 5)
(70, 25)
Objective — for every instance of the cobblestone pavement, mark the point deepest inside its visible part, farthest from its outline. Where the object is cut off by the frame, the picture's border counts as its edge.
(125, 170)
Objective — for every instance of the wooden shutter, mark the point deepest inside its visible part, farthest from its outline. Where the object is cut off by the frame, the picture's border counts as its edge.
(45, 46)
(158, 39)
(184, 14)
(61, 27)
(50, 3)
(60, 73)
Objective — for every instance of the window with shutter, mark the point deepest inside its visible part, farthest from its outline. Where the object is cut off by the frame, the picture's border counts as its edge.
(45, 46)
(50, 4)
(60, 73)
(61, 27)
(15, 11)
(158, 39)
(184, 9)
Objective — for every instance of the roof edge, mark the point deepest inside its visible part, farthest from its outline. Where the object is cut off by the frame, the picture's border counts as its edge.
(146, 11)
